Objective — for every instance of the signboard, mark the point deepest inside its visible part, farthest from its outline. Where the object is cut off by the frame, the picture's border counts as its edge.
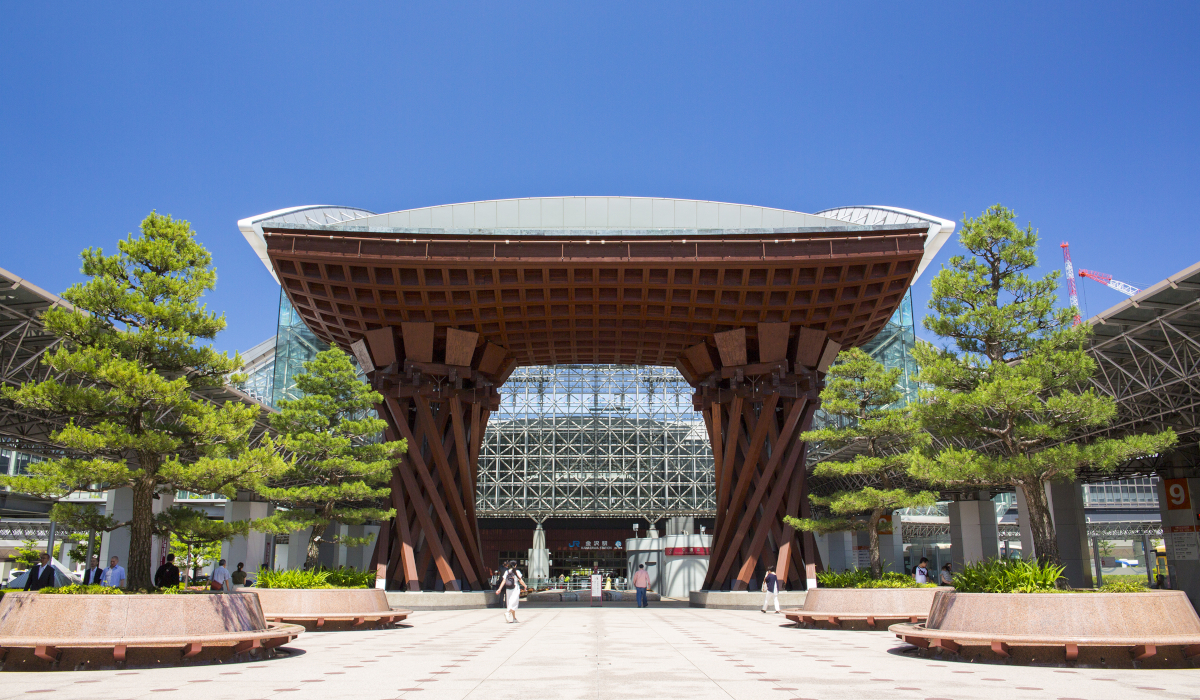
(1183, 546)
(687, 551)
(359, 348)
(862, 556)
(603, 545)
(885, 525)
(1179, 497)
(596, 586)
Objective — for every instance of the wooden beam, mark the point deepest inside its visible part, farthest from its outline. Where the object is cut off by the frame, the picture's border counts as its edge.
(382, 344)
(828, 355)
(773, 341)
(731, 346)
(418, 340)
(447, 476)
(460, 347)
(698, 357)
(809, 343)
(728, 539)
(493, 357)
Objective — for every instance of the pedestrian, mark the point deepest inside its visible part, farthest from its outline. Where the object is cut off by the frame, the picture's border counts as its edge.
(771, 589)
(220, 578)
(114, 575)
(239, 576)
(41, 575)
(641, 583)
(511, 583)
(921, 573)
(94, 575)
(945, 577)
(167, 575)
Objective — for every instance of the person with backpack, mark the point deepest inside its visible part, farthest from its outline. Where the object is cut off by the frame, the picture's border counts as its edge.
(511, 583)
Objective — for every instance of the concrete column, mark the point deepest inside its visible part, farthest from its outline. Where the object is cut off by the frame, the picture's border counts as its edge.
(974, 535)
(297, 549)
(119, 504)
(891, 547)
(1070, 529)
(840, 555)
(252, 549)
(351, 556)
(1178, 494)
(160, 545)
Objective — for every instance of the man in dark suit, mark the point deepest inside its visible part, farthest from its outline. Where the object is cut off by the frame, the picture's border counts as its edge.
(94, 574)
(40, 576)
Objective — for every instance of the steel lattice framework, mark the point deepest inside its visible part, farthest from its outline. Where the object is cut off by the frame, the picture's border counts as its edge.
(1124, 529)
(606, 440)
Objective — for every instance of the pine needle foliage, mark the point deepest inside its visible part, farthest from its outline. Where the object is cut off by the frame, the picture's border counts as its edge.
(862, 394)
(1009, 377)
(125, 377)
(339, 472)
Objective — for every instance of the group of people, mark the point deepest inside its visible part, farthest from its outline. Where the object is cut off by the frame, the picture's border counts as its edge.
(167, 576)
(921, 573)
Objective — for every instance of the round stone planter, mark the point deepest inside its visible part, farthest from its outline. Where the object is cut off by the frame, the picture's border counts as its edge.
(863, 608)
(329, 608)
(45, 631)
(1154, 629)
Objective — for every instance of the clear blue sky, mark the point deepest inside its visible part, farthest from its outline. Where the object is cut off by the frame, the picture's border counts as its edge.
(1080, 116)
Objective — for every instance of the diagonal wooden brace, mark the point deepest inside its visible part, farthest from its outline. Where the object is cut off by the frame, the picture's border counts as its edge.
(945, 644)
(247, 645)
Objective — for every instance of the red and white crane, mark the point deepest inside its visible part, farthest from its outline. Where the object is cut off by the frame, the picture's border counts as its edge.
(1071, 291)
(1107, 280)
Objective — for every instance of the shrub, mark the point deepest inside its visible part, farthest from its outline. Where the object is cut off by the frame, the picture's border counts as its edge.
(80, 589)
(1008, 576)
(341, 577)
(861, 578)
(1124, 587)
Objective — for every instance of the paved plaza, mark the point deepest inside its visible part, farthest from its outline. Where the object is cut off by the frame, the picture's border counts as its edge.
(611, 652)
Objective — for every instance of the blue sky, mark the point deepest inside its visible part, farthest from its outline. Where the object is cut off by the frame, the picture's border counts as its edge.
(1080, 116)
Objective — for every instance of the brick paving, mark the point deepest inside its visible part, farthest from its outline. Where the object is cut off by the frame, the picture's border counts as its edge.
(612, 652)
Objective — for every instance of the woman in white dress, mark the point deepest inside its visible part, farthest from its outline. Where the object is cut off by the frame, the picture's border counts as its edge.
(511, 583)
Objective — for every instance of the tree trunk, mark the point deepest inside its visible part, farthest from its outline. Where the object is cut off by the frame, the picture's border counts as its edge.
(141, 527)
(310, 562)
(873, 529)
(1037, 507)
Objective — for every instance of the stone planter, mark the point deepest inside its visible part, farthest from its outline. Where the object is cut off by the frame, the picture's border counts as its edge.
(1154, 629)
(329, 608)
(863, 608)
(43, 632)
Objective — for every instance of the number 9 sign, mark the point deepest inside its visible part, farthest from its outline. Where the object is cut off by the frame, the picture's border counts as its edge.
(1178, 496)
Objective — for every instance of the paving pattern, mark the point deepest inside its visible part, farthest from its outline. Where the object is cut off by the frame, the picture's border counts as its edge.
(611, 652)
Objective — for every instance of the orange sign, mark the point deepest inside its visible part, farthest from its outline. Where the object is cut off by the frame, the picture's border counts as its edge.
(885, 525)
(1178, 495)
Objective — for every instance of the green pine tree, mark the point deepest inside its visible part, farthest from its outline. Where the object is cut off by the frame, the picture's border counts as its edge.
(862, 394)
(193, 531)
(340, 472)
(125, 377)
(1010, 380)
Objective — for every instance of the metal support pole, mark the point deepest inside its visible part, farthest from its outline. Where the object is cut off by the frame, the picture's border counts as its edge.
(1096, 557)
(87, 563)
(1151, 561)
(50, 540)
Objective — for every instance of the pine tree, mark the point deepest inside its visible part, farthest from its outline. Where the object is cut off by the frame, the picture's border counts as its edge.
(195, 532)
(126, 374)
(339, 471)
(1013, 381)
(861, 394)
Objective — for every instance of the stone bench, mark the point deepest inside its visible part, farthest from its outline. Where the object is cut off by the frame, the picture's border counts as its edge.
(863, 608)
(1151, 629)
(329, 608)
(43, 631)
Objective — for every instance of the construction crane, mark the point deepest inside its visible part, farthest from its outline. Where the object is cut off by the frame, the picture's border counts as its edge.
(1071, 291)
(1108, 281)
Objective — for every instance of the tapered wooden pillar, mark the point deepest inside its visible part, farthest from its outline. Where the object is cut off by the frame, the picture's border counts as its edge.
(755, 414)
(438, 387)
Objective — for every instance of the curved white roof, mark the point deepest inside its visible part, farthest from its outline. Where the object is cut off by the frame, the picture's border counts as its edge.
(876, 215)
(592, 213)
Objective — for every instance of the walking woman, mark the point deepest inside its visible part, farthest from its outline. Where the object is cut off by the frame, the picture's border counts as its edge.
(511, 583)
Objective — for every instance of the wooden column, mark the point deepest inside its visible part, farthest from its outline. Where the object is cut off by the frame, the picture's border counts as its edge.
(755, 414)
(439, 385)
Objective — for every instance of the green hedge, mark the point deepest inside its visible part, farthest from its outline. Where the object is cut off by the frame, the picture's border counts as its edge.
(861, 578)
(341, 577)
(1008, 576)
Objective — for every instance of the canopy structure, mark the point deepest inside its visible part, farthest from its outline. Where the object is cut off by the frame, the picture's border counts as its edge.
(441, 304)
